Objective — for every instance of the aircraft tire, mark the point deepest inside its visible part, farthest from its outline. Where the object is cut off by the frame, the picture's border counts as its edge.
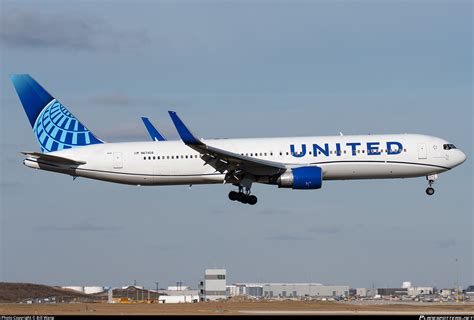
(239, 196)
(430, 191)
(252, 200)
(233, 195)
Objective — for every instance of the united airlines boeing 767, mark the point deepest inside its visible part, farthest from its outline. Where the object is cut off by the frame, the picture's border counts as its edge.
(68, 147)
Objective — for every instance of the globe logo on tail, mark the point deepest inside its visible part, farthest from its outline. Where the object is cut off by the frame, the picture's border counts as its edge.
(57, 129)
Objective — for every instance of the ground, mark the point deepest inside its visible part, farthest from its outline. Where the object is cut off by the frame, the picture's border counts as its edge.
(76, 303)
(237, 307)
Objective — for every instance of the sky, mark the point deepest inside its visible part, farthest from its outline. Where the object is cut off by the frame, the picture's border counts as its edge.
(239, 69)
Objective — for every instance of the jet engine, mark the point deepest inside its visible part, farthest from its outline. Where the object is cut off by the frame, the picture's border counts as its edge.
(301, 178)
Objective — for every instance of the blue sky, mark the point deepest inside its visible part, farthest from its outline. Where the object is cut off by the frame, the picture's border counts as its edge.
(239, 69)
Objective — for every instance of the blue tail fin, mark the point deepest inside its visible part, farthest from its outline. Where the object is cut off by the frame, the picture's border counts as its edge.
(54, 126)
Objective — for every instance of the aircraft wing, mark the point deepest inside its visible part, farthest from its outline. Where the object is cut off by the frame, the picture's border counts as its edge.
(223, 160)
(154, 134)
(49, 158)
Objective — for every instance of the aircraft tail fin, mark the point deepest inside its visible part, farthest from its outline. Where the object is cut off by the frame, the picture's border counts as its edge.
(54, 126)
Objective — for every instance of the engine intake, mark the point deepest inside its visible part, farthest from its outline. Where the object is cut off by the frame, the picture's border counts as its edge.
(301, 178)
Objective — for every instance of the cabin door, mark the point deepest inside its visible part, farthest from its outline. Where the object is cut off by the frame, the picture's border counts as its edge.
(118, 161)
(422, 151)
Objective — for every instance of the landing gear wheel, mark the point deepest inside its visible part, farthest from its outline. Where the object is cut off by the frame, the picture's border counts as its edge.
(431, 179)
(252, 200)
(233, 195)
(240, 197)
(430, 191)
(245, 199)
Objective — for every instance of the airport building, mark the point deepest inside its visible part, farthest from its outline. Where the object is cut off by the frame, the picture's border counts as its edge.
(394, 292)
(180, 290)
(213, 287)
(287, 290)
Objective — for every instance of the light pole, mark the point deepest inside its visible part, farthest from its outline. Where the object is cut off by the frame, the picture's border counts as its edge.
(457, 280)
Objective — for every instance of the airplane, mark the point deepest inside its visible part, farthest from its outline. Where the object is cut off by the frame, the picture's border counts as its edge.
(300, 163)
(154, 134)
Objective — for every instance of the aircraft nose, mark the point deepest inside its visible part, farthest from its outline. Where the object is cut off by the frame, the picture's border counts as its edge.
(460, 157)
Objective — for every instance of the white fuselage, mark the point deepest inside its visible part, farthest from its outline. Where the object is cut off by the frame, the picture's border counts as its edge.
(340, 157)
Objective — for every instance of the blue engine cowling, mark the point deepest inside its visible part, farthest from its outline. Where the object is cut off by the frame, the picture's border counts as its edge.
(302, 178)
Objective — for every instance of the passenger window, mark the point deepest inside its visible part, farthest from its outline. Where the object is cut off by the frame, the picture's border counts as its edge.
(281, 154)
(149, 158)
(144, 158)
(363, 151)
(271, 153)
(154, 158)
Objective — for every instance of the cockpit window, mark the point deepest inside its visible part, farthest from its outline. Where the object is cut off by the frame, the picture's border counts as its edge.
(448, 146)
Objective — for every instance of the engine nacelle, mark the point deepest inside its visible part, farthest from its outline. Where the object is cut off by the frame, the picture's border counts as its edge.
(301, 178)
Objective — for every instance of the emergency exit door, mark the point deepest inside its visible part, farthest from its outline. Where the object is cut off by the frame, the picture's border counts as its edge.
(118, 161)
(422, 151)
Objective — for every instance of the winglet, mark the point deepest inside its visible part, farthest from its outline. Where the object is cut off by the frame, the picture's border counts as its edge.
(155, 135)
(183, 131)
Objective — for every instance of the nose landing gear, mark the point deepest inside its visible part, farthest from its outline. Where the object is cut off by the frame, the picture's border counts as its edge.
(430, 191)
(431, 179)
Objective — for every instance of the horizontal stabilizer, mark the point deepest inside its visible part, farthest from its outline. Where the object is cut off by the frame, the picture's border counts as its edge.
(53, 159)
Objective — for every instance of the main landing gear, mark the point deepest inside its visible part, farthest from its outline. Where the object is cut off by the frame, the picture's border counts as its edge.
(243, 197)
(431, 179)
